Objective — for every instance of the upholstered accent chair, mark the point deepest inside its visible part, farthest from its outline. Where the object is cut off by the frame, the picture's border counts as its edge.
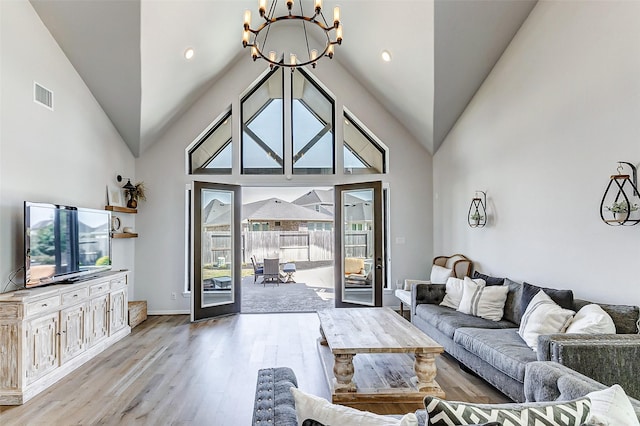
(459, 265)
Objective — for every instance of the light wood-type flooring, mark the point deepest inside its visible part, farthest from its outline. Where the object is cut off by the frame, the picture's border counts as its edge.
(171, 372)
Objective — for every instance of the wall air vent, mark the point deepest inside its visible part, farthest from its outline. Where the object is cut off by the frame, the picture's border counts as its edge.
(42, 96)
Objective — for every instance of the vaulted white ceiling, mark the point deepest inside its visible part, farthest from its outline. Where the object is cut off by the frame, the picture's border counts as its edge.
(130, 54)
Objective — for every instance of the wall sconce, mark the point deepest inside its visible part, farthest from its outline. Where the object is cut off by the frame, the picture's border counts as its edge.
(477, 216)
(620, 202)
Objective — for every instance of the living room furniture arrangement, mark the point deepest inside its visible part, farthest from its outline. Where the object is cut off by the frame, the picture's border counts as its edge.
(457, 264)
(495, 351)
(546, 383)
(47, 332)
(360, 348)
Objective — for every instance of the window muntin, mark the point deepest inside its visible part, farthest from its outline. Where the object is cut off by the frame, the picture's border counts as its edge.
(262, 127)
(362, 155)
(312, 127)
(212, 154)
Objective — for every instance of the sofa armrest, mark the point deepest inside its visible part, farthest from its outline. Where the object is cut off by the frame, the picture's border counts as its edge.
(274, 403)
(427, 293)
(606, 358)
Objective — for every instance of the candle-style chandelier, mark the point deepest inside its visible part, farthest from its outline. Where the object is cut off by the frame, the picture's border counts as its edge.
(257, 39)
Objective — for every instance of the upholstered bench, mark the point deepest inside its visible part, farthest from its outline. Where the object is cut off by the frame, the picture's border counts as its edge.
(274, 403)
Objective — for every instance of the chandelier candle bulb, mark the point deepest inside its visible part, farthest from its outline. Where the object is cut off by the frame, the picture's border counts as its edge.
(336, 16)
(272, 56)
(262, 7)
(254, 52)
(292, 59)
(245, 38)
(339, 34)
(318, 5)
(247, 19)
(289, 4)
(330, 51)
(314, 54)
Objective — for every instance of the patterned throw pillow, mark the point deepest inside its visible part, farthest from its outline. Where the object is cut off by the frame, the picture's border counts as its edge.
(446, 413)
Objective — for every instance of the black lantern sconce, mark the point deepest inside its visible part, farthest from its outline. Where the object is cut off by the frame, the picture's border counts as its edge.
(132, 203)
(477, 216)
(620, 202)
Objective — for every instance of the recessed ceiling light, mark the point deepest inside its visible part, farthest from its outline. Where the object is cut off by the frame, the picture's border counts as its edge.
(188, 54)
(386, 56)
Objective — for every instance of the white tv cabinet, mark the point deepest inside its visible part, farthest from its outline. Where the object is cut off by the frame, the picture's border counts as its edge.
(47, 332)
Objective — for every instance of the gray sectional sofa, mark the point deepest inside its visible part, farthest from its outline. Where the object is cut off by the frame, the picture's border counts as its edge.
(544, 382)
(494, 351)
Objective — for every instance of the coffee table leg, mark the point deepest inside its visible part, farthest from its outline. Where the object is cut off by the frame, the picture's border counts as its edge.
(343, 371)
(425, 368)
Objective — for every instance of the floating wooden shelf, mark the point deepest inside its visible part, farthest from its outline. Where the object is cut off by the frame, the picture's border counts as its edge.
(124, 235)
(121, 209)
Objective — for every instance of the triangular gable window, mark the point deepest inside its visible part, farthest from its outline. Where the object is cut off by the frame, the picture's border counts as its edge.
(362, 153)
(212, 153)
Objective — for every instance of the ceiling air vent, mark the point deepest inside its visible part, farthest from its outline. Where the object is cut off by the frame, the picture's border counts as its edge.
(42, 96)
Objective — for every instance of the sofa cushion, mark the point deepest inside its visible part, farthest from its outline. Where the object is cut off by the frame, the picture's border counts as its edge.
(453, 293)
(512, 310)
(488, 279)
(543, 316)
(564, 298)
(353, 265)
(503, 349)
(611, 407)
(482, 301)
(625, 317)
(322, 411)
(446, 413)
(448, 320)
(591, 319)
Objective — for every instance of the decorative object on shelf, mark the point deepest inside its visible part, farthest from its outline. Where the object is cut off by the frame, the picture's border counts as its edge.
(115, 223)
(114, 196)
(134, 192)
(127, 230)
(477, 216)
(259, 43)
(621, 201)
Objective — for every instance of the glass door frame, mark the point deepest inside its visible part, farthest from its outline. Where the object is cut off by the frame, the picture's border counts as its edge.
(199, 313)
(379, 262)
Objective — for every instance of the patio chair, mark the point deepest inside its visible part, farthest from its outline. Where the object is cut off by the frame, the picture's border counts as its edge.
(257, 269)
(271, 271)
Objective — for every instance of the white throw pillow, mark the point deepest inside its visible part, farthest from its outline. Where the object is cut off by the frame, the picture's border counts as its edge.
(319, 409)
(470, 290)
(440, 275)
(592, 319)
(483, 301)
(611, 407)
(453, 295)
(543, 316)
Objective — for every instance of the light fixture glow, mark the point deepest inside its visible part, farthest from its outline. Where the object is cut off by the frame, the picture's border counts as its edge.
(188, 54)
(386, 56)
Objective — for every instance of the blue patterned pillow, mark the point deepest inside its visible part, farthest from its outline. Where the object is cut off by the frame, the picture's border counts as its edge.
(446, 413)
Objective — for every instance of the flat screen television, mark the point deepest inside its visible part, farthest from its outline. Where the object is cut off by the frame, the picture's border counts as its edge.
(64, 243)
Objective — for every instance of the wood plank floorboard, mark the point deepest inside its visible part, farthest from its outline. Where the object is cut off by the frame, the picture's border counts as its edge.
(171, 372)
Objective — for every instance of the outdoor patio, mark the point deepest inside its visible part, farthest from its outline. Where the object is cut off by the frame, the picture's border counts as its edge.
(313, 290)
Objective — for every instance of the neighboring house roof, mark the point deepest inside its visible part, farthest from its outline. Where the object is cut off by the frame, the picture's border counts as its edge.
(358, 212)
(277, 209)
(315, 196)
(217, 213)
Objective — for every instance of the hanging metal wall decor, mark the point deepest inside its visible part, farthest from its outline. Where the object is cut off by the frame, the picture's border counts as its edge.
(621, 201)
(477, 216)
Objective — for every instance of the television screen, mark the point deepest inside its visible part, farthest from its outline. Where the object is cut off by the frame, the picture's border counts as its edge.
(63, 242)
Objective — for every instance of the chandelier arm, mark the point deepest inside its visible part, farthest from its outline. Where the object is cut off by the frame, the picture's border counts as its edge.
(304, 28)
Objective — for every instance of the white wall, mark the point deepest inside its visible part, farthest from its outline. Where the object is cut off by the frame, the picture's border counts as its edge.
(160, 249)
(542, 136)
(65, 156)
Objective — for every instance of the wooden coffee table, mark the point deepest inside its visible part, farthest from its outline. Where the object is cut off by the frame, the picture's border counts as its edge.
(374, 355)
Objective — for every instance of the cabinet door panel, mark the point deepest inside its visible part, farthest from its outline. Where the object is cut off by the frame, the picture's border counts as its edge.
(98, 327)
(118, 309)
(73, 339)
(42, 345)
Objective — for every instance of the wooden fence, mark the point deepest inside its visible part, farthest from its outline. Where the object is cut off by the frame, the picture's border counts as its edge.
(287, 245)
